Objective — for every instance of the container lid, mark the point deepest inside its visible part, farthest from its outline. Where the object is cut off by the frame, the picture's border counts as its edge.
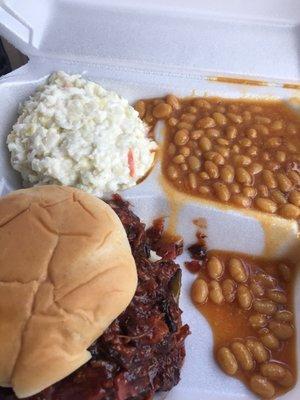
(206, 37)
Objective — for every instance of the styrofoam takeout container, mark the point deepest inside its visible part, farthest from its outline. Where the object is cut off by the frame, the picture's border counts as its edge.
(145, 49)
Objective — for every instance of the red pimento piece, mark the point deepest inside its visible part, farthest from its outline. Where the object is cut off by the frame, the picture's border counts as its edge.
(131, 163)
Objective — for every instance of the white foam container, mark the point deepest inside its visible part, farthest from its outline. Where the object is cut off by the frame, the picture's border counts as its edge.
(149, 49)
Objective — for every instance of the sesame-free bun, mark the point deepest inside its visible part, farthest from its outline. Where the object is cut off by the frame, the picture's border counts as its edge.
(66, 272)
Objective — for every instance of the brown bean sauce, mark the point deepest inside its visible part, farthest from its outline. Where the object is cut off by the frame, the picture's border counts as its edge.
(231, 323)
(245, 153)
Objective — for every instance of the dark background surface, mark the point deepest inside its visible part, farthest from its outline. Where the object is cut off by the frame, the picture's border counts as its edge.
(5, 66)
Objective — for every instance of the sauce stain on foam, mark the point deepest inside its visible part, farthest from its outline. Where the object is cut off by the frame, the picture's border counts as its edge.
(281, 236)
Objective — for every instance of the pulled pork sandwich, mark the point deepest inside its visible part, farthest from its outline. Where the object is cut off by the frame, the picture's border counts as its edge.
(85, 314)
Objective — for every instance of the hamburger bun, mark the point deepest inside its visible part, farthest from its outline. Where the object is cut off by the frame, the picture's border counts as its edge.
(66, 272)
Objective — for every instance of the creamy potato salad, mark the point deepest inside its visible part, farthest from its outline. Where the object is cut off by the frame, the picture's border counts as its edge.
(72, 131)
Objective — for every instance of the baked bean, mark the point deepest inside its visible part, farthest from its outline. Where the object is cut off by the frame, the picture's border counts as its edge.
(194, 163)
(242, 355)
(272, 370)
(280, 156)
(289, 211)
(222, 191)
(149, 118)
(261, 386)
(237, 270)
(190, 118)
(199, 291)
(172, 121)
(251, 133)
(281, 330)
(277, 296)
(257, 289)
(213, 133)
(203, 189)
(263, 191)
(294, 198)
(255, 108)
(244, 297)
(245, 142)
(185, 151)
(215, 157)
(237, 119)
(219, 118)
(215, 268)
(171, 149)
(192, 110)
(272, 165)
(234, 188)
(162, 110)
(179, 159)
(249, 191)
(192, 181)
(227, 360)
(258, 351)
(262, 120)
(224, 151)
(229, 290)
(284, 316)
(233, 108)
(201, 103)
(215, 292)
(284, 272)
(291, 129)
(140, 107)
(262, 129)
(270, 341)
(288, 380)
(195, 135)
(227, 173)
(223, 142)
(266, 280)
(206, 122)
(231, 132)
(278, 197)
(241, 160)
(185, 125)
(211, 169)
(266, 156)
(255, 168)
(184, 167)
(276, 125)
(181, 137)
(266, 205)
(252, 151)
(173, 101)
(294, 177)
(204, 175)
(258, 321)
(291, 147)
(274, 142)
(241, 200)
(220, 109)
(246, 116)
(266, 307)
(243, 176)
(205, 144)
(172, 172)
(235, 149)
(269, 179)
(284, 183)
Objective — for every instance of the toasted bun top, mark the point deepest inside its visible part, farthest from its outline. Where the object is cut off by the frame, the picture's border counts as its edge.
(66, 272)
